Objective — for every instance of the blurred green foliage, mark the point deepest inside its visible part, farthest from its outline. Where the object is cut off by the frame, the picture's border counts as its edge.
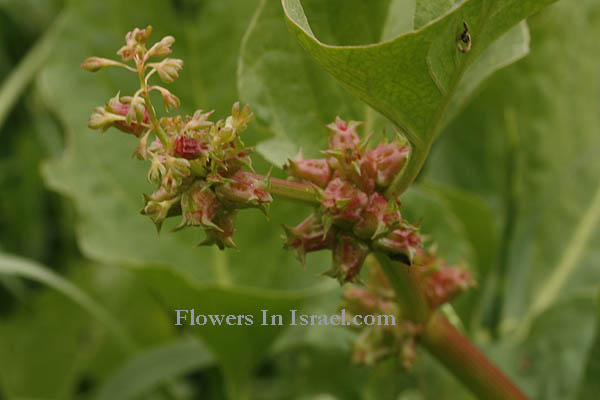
(511, 187)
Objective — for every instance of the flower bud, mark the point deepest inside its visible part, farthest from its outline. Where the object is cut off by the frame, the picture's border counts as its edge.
(137, 110)
(349, 255)
(168, 69)
(199, 121)
(343, 201)
(103, 119)
(199, 205)
(379, 217)
(446, 283)
(179, 167)
(343, 135)
(244, 190)
(141, 152)
(161, 48)
(310, 235)
(94, 64)
(239, 119)
(388, 160)
(169, 99)
(190, 148)
(402, 243)
(314, 170)
(159, 210)
(134, 43)
(157, 170)
(222, 235)
(122, 106)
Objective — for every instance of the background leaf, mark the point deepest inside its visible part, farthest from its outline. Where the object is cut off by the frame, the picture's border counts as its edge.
(412, 79)
(153, 367)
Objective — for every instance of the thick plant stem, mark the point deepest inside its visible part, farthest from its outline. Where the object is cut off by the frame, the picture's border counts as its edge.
(407, 287)
(446, 343)
(467, 362)
(294, 191)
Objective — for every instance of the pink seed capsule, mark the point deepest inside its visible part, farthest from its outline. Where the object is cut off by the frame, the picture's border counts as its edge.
(189, 148)
(133, 127)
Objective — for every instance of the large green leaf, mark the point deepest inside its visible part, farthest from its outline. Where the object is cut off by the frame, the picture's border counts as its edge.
(531, 152)
(292, 97)
(420, 78)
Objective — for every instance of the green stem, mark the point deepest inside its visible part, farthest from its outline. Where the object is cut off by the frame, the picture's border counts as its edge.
(294, 191)
(409, 293)
(151, 111)
(467, 362)
(444, 341)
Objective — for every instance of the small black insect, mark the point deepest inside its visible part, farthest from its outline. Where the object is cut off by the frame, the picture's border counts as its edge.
(464, 41)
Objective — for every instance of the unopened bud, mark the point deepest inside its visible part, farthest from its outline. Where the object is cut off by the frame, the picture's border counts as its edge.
(379, 217)
(161, 48)
(134, 43)
(402, 243)
(94, 64)
(179, 167)
(388, 160)
(343, 201)
(157, 170)
(169, 99)
(310, 235)
(199, 121)
(199, 205)
(349, 255)
(222, 236)
(244, 190)
(239, 118)
(137, 117)
(168, 69)
(343, 134)
(314, 170)
(443, 285)
(103, 119)
(159, 210)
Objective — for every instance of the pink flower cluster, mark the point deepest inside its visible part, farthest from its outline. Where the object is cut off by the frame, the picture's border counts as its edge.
(354, 216)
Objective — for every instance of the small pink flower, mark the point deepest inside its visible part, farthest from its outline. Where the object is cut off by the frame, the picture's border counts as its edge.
(343, 135)
(314, 170)
(405, 242)
(349, 255)
(244, 189)
(343, 200)
(308, 236)
(378, 217)
(447, 283)
(388, 160)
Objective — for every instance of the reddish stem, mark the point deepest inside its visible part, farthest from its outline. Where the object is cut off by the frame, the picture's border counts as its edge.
(467, 362)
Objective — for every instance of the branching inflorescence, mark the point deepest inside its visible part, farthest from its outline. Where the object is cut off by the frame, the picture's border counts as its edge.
(202, 171)
(196, 164)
